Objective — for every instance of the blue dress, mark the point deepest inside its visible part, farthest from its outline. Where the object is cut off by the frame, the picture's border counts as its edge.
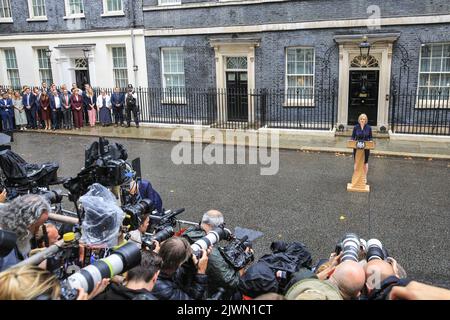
(105, 113)
(362, 134)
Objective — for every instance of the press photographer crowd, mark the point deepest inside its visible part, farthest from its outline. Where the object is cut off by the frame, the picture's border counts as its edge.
(120, 243)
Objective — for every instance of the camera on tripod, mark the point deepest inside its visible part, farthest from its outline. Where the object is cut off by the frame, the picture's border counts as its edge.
(105, 163)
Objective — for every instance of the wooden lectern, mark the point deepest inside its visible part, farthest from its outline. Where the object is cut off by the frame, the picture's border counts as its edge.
(359, 179)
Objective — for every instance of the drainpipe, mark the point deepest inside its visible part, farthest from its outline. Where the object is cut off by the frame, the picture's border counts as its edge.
(135, 69)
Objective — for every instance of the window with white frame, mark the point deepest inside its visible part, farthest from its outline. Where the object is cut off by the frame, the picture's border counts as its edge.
(299, 76)
(5, 9)
(74, 8)
(11, 68)
(168, 2)
(173, 71)
(37, 8)
(434, 75)
(45, 69)
(113, 6)
(120, 71)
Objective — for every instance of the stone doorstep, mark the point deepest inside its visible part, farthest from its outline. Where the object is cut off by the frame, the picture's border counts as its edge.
(282, 146)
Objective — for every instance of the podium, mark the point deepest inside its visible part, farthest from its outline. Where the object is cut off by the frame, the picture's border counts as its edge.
(359, 179)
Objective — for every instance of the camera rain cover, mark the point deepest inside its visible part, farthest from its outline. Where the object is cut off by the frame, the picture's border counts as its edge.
(251, 234)
(103, 217)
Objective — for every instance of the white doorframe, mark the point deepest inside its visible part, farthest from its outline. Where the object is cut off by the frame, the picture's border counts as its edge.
(382, 49)
(231, 48)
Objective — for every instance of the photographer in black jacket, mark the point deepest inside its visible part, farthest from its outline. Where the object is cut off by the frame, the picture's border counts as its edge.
(139, 281)
(177, 281)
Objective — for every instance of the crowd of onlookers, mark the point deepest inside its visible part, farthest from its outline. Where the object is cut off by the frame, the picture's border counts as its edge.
(54, 108)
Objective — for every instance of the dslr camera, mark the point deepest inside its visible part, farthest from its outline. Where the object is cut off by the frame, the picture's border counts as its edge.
(236, 254)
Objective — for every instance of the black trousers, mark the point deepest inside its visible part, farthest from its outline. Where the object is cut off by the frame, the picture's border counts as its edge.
(67, 118)
(56, 119)
(118, 115)
(135, 111)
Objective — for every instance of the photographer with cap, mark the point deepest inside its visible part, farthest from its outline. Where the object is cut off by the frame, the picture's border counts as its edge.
(23, 216)
(220, 272)
(183, 275)
(131, 106)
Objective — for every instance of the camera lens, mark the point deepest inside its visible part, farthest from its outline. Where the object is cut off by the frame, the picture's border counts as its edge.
(350, 247)
(375, 250)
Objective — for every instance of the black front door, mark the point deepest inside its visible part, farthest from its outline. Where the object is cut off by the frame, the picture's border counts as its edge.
(81, 77)
(237, 98)
(363, 96)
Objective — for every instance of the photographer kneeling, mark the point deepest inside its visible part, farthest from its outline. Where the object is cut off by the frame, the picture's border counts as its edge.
(177, 280)
(220, 273)
(23, 216)
(139, 281)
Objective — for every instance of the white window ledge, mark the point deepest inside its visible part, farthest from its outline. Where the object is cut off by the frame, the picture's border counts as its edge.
(206, 4)
(74, 16)
(169, 4)
(6, 20)
(294, 103)
(37, 19)
(113, 14)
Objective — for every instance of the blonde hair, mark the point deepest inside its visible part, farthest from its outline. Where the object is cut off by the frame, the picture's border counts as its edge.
(27, 283)
(363, 115)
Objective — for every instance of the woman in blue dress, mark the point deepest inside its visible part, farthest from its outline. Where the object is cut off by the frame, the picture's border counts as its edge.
(104, 106)
(362, 131)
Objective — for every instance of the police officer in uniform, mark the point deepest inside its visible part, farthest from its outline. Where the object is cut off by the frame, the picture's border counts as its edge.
(131, 106)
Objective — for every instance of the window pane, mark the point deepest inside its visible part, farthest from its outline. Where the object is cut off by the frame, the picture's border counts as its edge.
(425, 65)
(446, 65)
(173, 68)
(424, 78)
(434, 80)
(114, 5)
(38, 8)
(76, 6)
(436, 64)
(426, 51)
(436, 50)
(120, 70)
(44, 66)
(445, 80)
(5, 9)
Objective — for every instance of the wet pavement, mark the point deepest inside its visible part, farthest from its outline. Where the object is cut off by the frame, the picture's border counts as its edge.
(408, 207)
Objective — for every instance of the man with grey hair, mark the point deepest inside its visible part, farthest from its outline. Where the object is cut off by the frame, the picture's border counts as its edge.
(23, 216)
(220, 273)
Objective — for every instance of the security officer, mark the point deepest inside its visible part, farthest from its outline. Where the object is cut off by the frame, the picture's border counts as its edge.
(131, 106)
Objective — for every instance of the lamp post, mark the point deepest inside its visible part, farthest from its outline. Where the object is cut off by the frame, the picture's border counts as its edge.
(364, 47)
(48, 53)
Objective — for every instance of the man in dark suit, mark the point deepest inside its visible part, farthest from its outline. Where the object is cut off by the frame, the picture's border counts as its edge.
(29, 102)
(6, 112)
(66, 110)
(117, 101)
(56, 109)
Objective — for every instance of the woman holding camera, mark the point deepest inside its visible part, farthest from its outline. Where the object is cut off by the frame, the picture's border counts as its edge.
(362, 132)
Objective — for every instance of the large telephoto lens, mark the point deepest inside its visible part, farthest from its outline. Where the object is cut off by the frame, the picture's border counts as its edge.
(374, 250)
(164, 234)
(350, 247)
(123, 259)
(210, 239)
